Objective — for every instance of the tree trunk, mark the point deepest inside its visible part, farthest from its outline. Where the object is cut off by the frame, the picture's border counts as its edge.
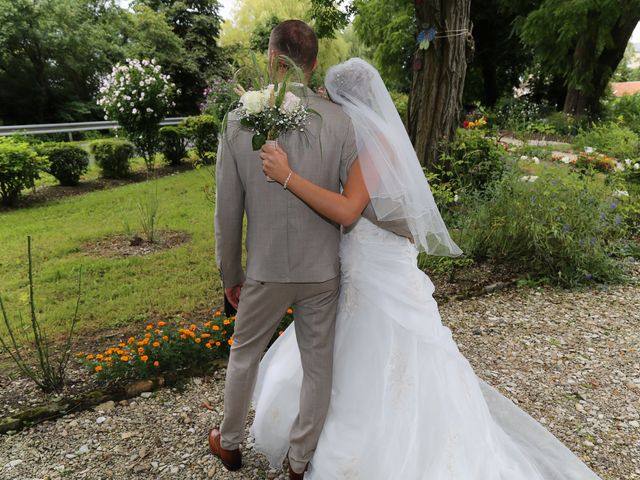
(586, 101)
(438, 79)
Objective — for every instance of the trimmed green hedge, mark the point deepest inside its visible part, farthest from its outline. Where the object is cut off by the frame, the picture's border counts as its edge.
(112, 156)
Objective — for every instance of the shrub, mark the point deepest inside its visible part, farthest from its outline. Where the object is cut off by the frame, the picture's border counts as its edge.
(611, 139)
(167, 346)
(560, 226)
(516, 113)
(595, 161)
(20, 167)
(564, 123)
(474, 162)
(202, 131)
(66, 162)
(401, 101)
(138, 95)
(173, 144)
(625, 109)
(112, 156)
(220, 97)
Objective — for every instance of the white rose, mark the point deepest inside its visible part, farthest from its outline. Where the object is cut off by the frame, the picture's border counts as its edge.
(524, 157)
(636, 166)
(252, 102)
(134, 111)
(290, 103)
(536, 160)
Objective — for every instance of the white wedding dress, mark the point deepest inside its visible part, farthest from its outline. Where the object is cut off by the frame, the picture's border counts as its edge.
(406, 405)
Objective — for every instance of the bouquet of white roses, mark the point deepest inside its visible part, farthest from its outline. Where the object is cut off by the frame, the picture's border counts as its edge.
(270, 112)
(271, 108)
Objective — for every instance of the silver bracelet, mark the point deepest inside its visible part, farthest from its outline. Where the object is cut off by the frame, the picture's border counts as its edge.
(286, 182)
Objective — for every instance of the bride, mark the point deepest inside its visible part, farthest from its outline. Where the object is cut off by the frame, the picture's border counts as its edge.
(405, 403)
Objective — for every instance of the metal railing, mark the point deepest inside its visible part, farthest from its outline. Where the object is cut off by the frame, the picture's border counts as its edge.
(71, 127)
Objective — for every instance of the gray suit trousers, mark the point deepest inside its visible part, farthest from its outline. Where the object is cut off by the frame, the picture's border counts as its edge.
(262, 305)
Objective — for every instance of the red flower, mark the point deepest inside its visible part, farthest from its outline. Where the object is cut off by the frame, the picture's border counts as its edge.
(466, 124)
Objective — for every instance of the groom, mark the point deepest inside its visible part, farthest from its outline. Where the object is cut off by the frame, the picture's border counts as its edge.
(292, 256)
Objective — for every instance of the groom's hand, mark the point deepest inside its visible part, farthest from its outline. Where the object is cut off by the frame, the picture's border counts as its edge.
(233, 295)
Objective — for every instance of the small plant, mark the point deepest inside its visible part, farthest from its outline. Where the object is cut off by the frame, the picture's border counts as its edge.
(138, 96)
(202, 131)
(20, 167)
(48, 374)
(112, 156)
(67, 163)
(168, 346)
(474, 162)
(596, 161)
(148, 210)
(173, 144)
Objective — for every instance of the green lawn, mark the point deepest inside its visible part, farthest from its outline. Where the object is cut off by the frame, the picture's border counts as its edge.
(116, 291)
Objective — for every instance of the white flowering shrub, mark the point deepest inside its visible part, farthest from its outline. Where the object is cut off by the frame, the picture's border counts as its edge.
(138, 96)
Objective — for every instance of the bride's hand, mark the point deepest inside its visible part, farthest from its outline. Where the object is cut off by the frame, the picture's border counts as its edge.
(275, 163)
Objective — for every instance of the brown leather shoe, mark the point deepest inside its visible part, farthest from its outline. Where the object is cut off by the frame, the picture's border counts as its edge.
(296, 476)
(231, 459)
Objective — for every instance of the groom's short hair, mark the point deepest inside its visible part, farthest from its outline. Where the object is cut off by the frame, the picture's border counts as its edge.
(296, 40)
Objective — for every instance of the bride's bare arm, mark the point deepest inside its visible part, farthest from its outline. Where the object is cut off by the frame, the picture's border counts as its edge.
(344, 208)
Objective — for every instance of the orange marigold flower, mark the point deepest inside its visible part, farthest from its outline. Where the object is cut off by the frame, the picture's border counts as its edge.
(124, 358)
(217, 314)
(80, 353)
(215, 327)
(224, 332)
(131, 340)
(158, 331)
(141, 350)
(217, 344)
(107, 359)
(99, 368)
(226, 322)
(205, 335)
(183, 336)
(149, 327)
(89, 357)
(122, 344)
(230, 341)
(207, 324)
(209, 345)
(198, 340)
(193, 327)
(156, 363)
(156, 344)
(162, 324)
(165, 338)
(290, 311)
(99, 356)
(147, 335)
(144, 358)
(181, 323)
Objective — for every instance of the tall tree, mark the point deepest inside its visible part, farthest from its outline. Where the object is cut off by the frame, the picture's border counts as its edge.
(438, 72)
(583, 42)
(197, 23)
(52, 54)
(435, 102)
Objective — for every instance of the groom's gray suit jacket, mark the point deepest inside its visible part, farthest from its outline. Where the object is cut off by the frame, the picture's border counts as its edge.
(287, 242)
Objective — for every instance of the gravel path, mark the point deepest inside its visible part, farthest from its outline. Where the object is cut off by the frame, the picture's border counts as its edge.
(570, 359)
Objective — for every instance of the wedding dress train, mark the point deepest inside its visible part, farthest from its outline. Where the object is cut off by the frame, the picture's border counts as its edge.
(405, 404)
